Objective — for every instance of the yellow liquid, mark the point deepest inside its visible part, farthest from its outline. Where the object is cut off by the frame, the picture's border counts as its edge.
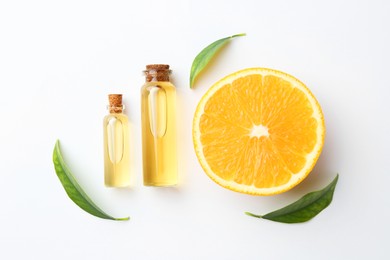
(158, 111)
(116, 150)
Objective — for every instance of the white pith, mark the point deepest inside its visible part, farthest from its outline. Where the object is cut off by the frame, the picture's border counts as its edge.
(259, 131)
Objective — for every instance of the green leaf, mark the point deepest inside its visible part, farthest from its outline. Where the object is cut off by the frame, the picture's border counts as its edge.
(303, 209)
(204, 57)
(73, 189)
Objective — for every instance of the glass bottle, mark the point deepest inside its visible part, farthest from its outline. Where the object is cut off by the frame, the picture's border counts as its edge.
(116, 144)
(158, 116)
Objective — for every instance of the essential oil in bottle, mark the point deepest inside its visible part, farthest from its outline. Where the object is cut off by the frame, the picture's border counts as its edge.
(158, 116)
(116, 144)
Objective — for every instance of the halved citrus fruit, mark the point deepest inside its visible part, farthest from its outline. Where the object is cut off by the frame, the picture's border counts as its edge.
(258, 131)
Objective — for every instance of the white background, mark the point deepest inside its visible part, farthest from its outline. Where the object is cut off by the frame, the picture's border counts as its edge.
(59, 60)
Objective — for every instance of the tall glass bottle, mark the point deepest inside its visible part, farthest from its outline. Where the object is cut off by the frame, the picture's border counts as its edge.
(116, 144)
(158, 115)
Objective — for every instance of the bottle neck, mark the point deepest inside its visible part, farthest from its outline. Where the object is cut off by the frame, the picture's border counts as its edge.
(116, 109)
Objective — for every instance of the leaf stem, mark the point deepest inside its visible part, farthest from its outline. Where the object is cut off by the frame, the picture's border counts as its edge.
(253, 215)
(123, 219)
(237, 35)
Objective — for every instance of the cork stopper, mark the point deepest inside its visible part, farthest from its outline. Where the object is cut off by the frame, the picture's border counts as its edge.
(157, 72)
(157, 67)
(115, 103)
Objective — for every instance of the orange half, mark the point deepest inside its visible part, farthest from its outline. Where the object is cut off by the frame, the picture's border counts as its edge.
(258, 131)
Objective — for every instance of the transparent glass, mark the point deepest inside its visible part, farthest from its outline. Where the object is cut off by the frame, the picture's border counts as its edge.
(158, 115)
(116, 150)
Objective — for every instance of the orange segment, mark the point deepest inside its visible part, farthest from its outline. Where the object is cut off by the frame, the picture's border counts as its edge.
(226, 109)
(258, 131)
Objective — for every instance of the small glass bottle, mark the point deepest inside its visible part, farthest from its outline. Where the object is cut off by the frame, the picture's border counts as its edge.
(116, 144)
(158, 116)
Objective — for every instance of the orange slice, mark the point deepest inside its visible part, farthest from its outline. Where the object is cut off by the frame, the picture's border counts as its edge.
(258, 131)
